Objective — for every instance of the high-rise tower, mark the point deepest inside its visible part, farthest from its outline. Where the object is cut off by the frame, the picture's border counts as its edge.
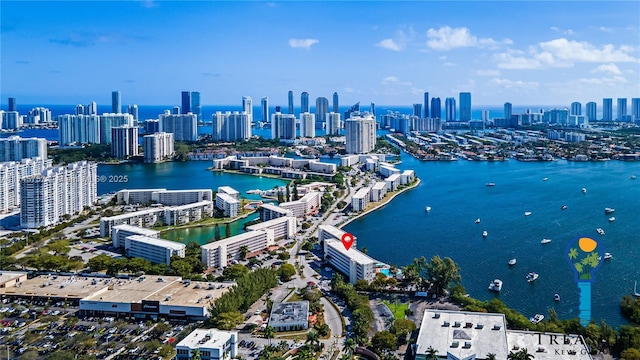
(465, 106)
(304, 102)
(607, 109)
(13, 106)
(196, 108)
(186, 102)
(576, 108)
(322, 109)
(592, 109)
(336, 107)
(264, 107)
(622, 109)
(116, 102)
(450, 109)
(508, 110)
(290, 102)
(436, 111)
(426, 105)
(247, 106)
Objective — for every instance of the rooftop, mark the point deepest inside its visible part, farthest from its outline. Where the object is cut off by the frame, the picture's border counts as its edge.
(132, 214)
(548, 345)
(353, 253)
(273, 222)
(206, 338)
(71, 287)
(137, 229)
(6, 276)
(196, 204)
(380, 185)
(362, 193)
(333, 231)
(289, 312)
(228, 190)
(273, 207)
(230, 240)
(190, 293)
(133, 290)
(227, 198)
(158, 242)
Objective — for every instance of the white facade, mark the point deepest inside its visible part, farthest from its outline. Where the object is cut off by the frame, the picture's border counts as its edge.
(229, 191)
(158, 251)
(10, 120)
(229, 206)
(360, 199)
(124, 141)
(283, 126)
(142, 218)
(184, 127)
(378, 191)
(352, 263)
(136, 196)
(393, 182)
(231, 126)
(360, 134)
(283, 227)
(305, 205)
(109, 121)
(121, 232)
(307, 125)
(407, 176)
(78, 129)
(387, 170)
(158, 147)
(56, 192)
(330, 232)
(10, 175)
(15, 148)
(212, 344)
(218, 253)
(270, 212)
(290, 316)
(333, 123)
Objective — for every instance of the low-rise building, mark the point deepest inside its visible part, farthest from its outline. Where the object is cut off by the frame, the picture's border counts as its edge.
(360, 199)
(352, 263)
(228, 204)
(284, 227)
(378, 191)
(183, 214)
(407, 177)
(393, 182)
(157, 251)
(290, 316)
(330, 232)
(269, 212)
(229, 191)
(120, 232)
(306, 205)
(212, 344)
(10, 279)
(387, 170)
(163, 196)
(217, 254)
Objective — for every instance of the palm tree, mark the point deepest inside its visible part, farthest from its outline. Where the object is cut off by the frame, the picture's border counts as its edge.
(243, 251)
(312, 338)
(283, 345)
(195, 354)
(350, 346)
(432, 354)
(304, 353)
(491, 356)
(265, 354)
(269, 331)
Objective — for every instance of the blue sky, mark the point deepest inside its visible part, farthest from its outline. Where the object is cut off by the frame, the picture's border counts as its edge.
(527, 53)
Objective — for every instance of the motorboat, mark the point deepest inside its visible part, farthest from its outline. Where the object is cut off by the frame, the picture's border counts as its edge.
(633, 177)
(512, 262)
(609, 210)
(612, 219)
(545, 241)
(496, 285)
(477, 221)
(584, 190)
(545, 179)
(608, 256)
(532, 276)
(556, 297)
(600, 231)
(427, 209)
(536, 318)
(527, 213)
(490, 184)
(485, 233)
(564, 207)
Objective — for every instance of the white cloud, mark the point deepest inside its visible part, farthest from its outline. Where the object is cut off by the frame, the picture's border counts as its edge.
(393, 80)
(349, 90)
(488, 72)
(448, 64)
(510, 84)
(389, 44)
(605, 29)
(608, 68)
(566, 32)
(448, 38)
(609, 80)
(302, 43)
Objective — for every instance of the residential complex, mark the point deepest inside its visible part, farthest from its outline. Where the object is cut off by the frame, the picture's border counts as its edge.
(282, 228)
(306, 205)
(157, 251)
(78, 129)
(15, 148)
(360, 199)
(217, 254)
(230, 126)
(229, 205)
(121, 232)
(124, 141)
(269, 211)
(290, 316)
(158, 147)
(163, 196)
(352, 263)
(283, 126)
(108, 121)
(184, 127)
(307, 124)
(360, 133)
(58, 191)
(212, 344)
(10, 175)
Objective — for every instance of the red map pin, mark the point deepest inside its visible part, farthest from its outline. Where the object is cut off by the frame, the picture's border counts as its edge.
(347, 240)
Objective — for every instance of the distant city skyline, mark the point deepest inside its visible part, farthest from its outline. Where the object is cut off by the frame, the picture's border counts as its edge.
(573, 51)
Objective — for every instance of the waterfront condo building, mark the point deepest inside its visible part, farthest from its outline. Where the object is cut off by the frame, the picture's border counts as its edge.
(10, 120)
(78, 129)
(212, 344)
(217, 254)
(108, 121)
(264, 109)
(158, 147)
(360, 133)
(230, 206)
(333, 123)
(163, 196)
(306, 205)
(11, 173)
(352, 263)
(157, 251)
(124, 141)
(120, 232)
(607, 109)
(283, 126)
(38, 115)
(58, 191)
(186, 102)
(133, 110)
(116, 102)
(322, 109)
(436, 108)
(282, 227)
(450, 109)
(247, 107)
(304, 102)
(465, 106)
(184, 127)
(592, 111)
(231, 126)
(622, 109)
(576, 108)
(360, 199)
(196, 108)
(307, 125)
(336, 106)
(15, 148)
(270, 211)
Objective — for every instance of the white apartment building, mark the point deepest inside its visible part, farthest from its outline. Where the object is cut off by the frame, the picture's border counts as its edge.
(230, 206)
(124, 141)
(183, 214)
(38, 115)
(229, 191)
(360, 133)
(142, 218)
(330, 232)
(184, 127)
(321, 167)
(407, 176)
(217, 254)
(212, 344)
(121, 232)
(283, 227)
(158, 147)
(269, 212)
(163, 196)
(56, 192)
(387, 170)
(333, 123)
(109, 121)
(78, 129)
(158, 251)
(360, 199)
(393, 182)
(283, 126)
(10, 175)
(307, 204)
(308, 125)
(15, 148)
(231, 126)
(378, 191)
(135, 196)
(10, 120)
(349, 160)
(352, 263)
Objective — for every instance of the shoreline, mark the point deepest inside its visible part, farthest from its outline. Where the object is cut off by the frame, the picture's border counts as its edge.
(379, 206)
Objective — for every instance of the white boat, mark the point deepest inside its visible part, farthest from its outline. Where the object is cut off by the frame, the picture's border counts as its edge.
(563, 207)
(600, 231)
(612, 219)
(545, 179)
(532, 276)
(536, 319)
(427, 209)
(512, 262)
(485, 233)
(556, 297)
(635, 292)
(584, 190)
(609, 210)
(527, 213)
(477, 221)
(496, 285)
(490, 184)
(608, 256)
(545, 241)
(633, 177)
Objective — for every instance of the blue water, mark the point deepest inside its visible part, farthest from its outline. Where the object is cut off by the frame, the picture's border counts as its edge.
(456, 191)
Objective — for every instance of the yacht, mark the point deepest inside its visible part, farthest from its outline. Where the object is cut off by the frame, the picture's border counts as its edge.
(485, 233)
(609, 210)
(512, 262)
(545, 241)
(556, 297)
(633, 177)
(584, 190)
(427, 209)
(564, 207)
(600, 231)
(532, 276)
(496, 285)
(545, 179)
(612, 219)
(608, 256)
(536, 319)
(490, 184)
(477, 221)
(527, 213)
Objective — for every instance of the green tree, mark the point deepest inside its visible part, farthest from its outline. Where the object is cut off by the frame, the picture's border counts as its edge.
(312, 338)
(323, 330)
(235, 272)
(269, 332)
(195, 354)
(229, 320)
(384, 341)
(295, 193)
(227, 231)
(286, 271)
(243, 251)
(350, 346)
(432, 354)
(280, 197)
(491, 356)
(288, 198)
(630, 354)
(181, 151)
(304, 353)
(442, 273)
(402, 327)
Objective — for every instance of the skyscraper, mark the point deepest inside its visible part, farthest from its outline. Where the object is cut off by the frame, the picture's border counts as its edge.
(116, 102)
(196, 107)
(307, 125)
(417, 110)
(607, 109)
(622, 109)
(304, 102)
(592, 109)
(158, 147)
(450, 109)
(576, 108)
(78, 129)
(336, 107)
(247, 106)
(508, 110)
(635, 109)
(13, 106)
(108, 121)
(436, 111)
(231, 126)
(360, 133)
(124, 141)
(465, 106)
(133, 110)
(283, 126)
(373, 110)
(290, 96)
(333, 123)
(183, 126)
(264, 107)
(426, 105)
(15, 148)
(91, 108)
(186, 102)
(322, 109)
(79, 110)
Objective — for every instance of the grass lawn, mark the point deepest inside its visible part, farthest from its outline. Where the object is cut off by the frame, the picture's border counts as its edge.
(397, 308)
